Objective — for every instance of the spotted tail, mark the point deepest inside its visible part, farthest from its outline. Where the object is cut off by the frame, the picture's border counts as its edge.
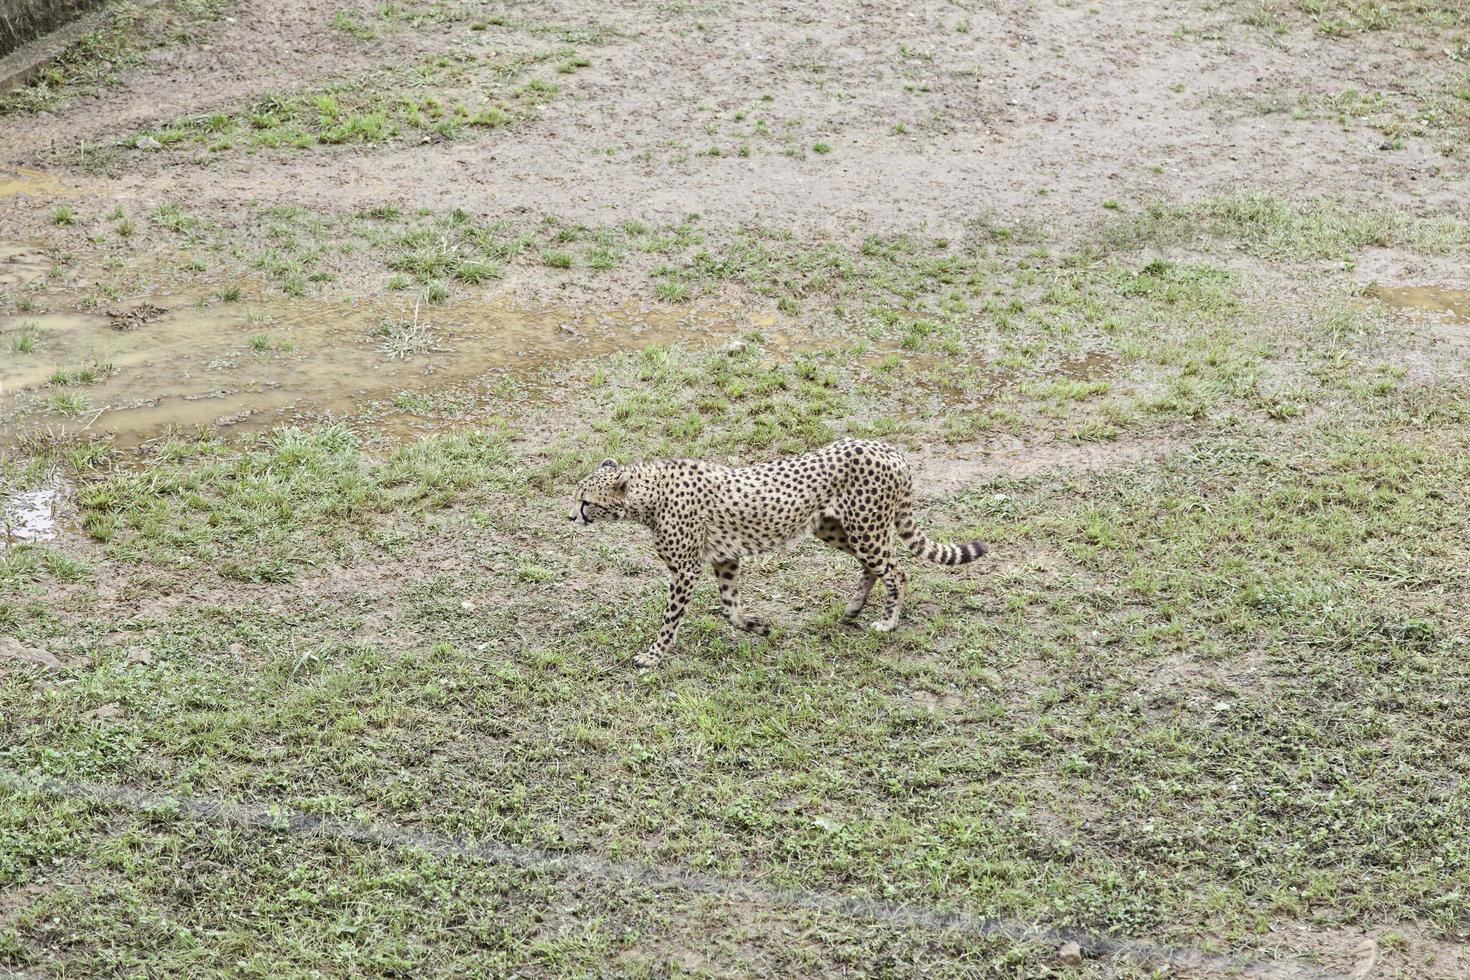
(944, 554)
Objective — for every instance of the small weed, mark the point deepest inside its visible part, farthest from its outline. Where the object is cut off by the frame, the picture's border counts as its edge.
(491, 117)
(172, 217)
(347, 24)
(601, 258)
(26, 339)
(477, 271)
(401, 339)
(87, 374)
(412, 401)
(70, 402)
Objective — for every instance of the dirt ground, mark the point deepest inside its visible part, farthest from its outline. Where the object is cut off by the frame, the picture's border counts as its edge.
(1143, 289)
(1038, 112)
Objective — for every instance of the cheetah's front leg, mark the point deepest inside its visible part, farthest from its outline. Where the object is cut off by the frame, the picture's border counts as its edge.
(681, 586)
(727, 573)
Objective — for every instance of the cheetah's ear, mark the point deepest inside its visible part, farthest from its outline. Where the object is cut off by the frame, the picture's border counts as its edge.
(606, 463)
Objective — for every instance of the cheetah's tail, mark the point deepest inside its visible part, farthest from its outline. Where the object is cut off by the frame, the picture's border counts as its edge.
(944, 554)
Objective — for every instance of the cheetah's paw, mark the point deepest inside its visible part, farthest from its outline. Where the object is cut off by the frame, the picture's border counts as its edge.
(752, 624)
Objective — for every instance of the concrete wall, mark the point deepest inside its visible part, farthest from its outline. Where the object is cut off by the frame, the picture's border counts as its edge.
(25, 20)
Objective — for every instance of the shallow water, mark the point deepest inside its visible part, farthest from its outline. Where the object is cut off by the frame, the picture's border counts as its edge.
(32, 183)
(1452, 304)
(29, 515)
(20, 264)
(248, 365)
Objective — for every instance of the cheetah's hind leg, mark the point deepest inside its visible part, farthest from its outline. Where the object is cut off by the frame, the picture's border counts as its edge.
(879, 562)
(830, 531)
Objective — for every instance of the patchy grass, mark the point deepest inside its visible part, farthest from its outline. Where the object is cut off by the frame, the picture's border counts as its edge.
(87, 374)
(1268, 226)
(1208, 695)
(1419, 22)
(264, 515)
(1435, 107)
(351, 26)
(1135, 721)
(439, 98)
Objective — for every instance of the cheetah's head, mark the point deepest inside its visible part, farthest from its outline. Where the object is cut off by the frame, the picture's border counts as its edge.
(602, 496)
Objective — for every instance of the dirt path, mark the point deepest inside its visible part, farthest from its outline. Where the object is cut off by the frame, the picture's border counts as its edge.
(1030, 111)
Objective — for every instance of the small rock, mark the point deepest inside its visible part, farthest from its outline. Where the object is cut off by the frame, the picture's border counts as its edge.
(237, 648)
(1070, 954)
(105, 712)
(1365, 958)
(139, 655)
(568, 329)
(13, 649)
(149, 143)
(467, 606)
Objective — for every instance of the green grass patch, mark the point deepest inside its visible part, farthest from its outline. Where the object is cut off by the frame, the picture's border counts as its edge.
(263, 515)
(464, 91)
(1264, 225)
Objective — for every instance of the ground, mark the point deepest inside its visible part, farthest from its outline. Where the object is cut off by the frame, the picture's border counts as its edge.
(312, 316)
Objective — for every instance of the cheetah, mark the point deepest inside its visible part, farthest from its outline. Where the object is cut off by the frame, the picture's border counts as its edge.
(852, 494)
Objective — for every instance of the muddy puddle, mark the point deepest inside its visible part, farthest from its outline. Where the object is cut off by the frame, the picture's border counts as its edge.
(23, 181)
(175, 362)
(29, 515)
(21, 265)
(1445, 305)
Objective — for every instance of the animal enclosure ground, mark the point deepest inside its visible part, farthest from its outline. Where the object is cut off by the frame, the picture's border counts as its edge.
(311, 316)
